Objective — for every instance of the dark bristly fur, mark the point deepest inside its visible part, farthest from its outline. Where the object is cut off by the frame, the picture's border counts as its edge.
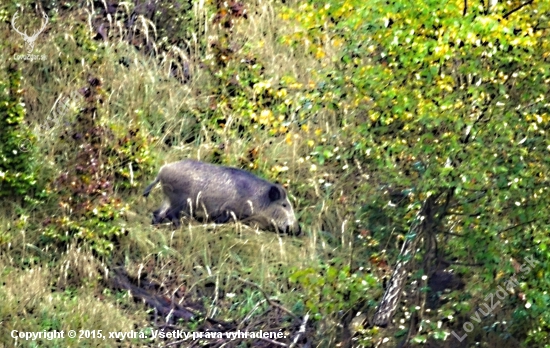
(220, 194)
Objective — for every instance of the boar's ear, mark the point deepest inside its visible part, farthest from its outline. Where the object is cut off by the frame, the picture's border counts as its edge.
(276, 192)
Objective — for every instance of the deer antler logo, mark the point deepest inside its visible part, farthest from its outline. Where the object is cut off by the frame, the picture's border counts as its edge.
(29, 40)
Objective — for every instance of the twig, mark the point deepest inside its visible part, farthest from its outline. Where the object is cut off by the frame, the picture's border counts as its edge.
(466, 264)
(443, 211)
(274, 342)
(518, 225)
(518, 8)
(251, 312)
(301, 331)
(271, 303)
(453, 234)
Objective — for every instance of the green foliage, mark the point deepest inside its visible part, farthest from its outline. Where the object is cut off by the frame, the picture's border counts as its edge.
(98, 161)
(330, 289)
(247, 105)
(16, 176)
(459, 92)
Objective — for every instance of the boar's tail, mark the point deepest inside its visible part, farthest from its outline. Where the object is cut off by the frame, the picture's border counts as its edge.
(150, 187)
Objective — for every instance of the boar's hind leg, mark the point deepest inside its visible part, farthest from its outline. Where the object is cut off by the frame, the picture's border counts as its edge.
(223, 217)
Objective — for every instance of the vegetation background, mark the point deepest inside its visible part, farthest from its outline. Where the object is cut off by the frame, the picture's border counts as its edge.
(376, 116)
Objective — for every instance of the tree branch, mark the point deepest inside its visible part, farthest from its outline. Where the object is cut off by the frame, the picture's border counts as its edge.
(269, 301)
(443, 212)
(519, 225)
(518, 8)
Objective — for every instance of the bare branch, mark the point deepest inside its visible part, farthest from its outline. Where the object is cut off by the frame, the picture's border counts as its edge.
(301, 331)
(518, 8)
(271, 303)
(273, 342)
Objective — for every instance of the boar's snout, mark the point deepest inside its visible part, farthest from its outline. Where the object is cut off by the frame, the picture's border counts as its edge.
(281, 213)
(296, 231)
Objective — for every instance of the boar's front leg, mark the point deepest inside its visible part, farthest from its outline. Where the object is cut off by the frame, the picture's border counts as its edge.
(160, 213)
(156, 217)
(174, 215)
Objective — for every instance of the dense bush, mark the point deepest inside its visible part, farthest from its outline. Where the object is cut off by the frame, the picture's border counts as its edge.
(16, 176)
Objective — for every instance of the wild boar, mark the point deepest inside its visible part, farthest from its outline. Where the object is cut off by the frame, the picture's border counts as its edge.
(215, 193)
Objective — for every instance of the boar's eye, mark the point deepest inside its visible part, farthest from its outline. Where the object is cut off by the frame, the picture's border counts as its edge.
(284, 205)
